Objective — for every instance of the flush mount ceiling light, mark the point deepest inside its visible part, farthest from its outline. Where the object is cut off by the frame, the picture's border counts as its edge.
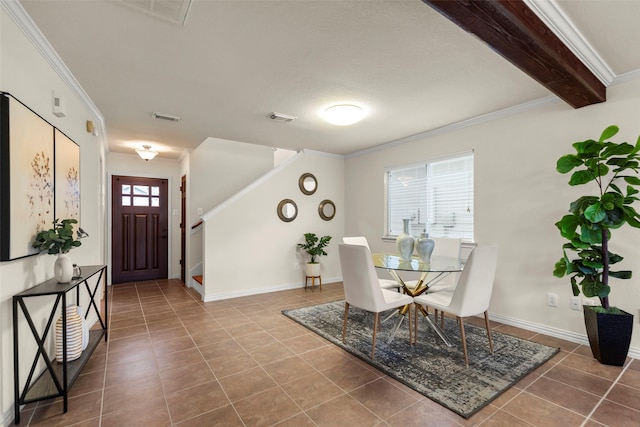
(146, 152)
(343, 114)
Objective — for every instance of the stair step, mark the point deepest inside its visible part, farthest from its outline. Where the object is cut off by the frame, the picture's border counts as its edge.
(198, 279)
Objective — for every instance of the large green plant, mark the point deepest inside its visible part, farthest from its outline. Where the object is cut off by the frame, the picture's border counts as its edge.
(314, 246)
(592, 217)
(59, 239)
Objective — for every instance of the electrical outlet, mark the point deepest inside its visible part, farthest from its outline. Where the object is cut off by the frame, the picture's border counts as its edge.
(575, 303)
(552, 300)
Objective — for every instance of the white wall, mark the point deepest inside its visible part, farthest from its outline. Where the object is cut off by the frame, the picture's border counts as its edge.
(518, 198)
(218, 168)
(28, 76)
(133, 165)
(249, 250)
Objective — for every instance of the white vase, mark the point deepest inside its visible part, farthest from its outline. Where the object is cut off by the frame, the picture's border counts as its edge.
(63, 269)
(405, 242)
(74, 335)
(424, 247)
(85, 329)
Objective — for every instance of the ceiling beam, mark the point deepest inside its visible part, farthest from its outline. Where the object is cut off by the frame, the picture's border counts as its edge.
(516, 33)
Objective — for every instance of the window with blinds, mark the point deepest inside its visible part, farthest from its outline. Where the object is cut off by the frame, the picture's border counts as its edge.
(437, 198)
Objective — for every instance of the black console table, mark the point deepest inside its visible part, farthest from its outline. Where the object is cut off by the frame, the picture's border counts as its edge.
(57, 378)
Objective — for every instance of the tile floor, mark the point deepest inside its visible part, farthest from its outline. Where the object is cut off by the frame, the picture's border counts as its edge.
(173, 360)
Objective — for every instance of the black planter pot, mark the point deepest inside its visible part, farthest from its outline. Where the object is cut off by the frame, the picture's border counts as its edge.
(609, 335)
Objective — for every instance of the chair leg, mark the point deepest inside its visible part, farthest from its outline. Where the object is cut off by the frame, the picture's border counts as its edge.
(410, 335)
(464, 341)
(376, 320)
(486, 323)
(415, 324)
(344, 324)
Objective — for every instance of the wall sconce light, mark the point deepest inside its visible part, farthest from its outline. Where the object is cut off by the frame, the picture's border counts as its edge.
(146, 152)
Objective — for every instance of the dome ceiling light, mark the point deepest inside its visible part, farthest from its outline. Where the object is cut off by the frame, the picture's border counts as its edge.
(146, 152)
(343, 114)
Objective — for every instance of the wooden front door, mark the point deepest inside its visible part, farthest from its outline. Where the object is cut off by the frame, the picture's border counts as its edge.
(139, 232)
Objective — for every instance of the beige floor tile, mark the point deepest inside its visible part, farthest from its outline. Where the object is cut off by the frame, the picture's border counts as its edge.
(267, 408)
(342, 411)
(225, 416)
(196, 400)
(382, 398)
(173, 360)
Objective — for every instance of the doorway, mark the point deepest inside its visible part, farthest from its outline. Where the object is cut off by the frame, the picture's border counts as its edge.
(139, 232)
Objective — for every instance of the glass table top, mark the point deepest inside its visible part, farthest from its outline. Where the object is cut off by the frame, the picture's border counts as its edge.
(437, 263)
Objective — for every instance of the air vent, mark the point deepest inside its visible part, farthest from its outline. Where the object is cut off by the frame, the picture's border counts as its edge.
(166, 117)
(279, 117)
(175, 11)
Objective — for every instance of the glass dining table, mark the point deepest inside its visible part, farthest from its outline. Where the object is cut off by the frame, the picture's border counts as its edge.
(430, 273)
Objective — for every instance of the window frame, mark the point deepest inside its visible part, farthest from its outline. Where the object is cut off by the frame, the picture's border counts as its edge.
(388, 235)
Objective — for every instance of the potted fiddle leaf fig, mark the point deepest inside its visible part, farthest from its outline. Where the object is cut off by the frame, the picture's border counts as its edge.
(588, 227)
(314, 246)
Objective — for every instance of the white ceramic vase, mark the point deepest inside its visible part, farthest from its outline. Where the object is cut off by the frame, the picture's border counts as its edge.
(74, 335)
(424, 247)
(63, 268)
(405, 242)
(85, 329)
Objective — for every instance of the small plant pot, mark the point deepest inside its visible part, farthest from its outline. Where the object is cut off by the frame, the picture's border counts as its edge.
(609, 335)
(313, 269)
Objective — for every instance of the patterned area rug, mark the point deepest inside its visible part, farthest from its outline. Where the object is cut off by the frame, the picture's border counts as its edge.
(430, 367)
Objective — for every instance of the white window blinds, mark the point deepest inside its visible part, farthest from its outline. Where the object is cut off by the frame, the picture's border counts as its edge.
(437, 197)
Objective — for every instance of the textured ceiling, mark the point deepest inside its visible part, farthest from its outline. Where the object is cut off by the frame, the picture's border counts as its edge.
(235, 62)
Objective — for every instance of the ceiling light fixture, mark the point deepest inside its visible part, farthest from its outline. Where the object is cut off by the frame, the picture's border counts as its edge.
(146, 152)
(343, 114)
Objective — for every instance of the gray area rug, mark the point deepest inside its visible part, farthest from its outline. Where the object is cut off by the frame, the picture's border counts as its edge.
(430, 367)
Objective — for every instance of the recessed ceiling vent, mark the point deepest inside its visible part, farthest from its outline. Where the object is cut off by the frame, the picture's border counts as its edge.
(166, 117)
(175, 11)
(279, 117)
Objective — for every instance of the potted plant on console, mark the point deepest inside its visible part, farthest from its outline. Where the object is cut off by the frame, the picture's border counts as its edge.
(59, 240)
(314, 246)
(588, 228)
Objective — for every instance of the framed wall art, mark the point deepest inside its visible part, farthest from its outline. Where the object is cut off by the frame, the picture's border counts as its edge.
(39, 177)
(67, 177)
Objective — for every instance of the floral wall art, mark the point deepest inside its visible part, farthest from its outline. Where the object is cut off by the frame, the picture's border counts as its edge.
(67, 189)
(39, 179)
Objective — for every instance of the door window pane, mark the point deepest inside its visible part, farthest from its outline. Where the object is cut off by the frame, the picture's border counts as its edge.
(140, 201)
(126, 201)
(155, 202)
(141, 190)
(155, 191)
(126, 189)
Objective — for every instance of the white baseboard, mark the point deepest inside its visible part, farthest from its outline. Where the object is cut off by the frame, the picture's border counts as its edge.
(634, 352)
(256, 291)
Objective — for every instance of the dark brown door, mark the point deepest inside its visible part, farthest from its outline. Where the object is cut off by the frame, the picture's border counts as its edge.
(139, 229)
(183, 227)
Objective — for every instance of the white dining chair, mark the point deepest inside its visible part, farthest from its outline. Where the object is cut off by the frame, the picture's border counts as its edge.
(362, 241)
(471, 295)
(362, 289)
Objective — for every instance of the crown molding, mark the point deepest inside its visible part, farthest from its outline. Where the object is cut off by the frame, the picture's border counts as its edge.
(550, 13)
(19, 15)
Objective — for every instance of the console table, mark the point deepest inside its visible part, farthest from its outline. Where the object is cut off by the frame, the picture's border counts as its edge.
(57, 378)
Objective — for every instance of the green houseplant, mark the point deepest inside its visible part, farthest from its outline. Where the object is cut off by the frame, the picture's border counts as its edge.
(59, 240)
(314, 246)
(588, 228)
